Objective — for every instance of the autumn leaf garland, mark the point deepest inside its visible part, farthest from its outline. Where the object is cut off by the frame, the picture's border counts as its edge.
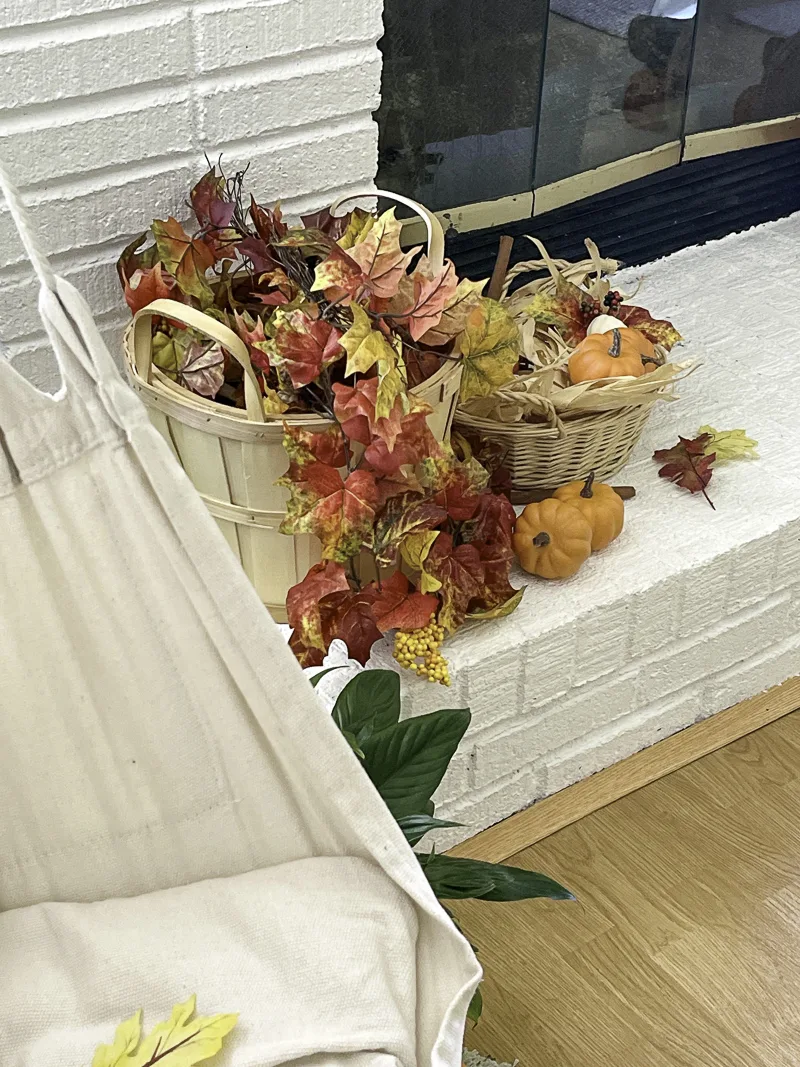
(340, 321)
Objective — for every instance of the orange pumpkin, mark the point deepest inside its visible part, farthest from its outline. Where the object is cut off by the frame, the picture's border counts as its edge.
(610, 355)
(552, 539)
(600, 505)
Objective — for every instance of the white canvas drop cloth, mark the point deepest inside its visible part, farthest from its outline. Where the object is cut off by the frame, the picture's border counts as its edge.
(156, 730)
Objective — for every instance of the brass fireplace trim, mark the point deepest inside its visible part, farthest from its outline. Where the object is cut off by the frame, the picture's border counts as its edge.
(734, 138)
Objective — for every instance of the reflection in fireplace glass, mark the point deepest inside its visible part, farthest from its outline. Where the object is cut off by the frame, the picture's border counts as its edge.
(459, 98)
(615, 81)
(747, 63)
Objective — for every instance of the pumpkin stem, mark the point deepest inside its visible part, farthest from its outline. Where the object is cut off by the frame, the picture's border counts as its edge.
(542, 540)
(587, 488)
(616, 343)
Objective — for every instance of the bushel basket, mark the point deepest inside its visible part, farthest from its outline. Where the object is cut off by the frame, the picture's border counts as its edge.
(234, 456)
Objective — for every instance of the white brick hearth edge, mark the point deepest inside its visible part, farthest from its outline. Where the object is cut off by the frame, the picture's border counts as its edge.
(691, 610)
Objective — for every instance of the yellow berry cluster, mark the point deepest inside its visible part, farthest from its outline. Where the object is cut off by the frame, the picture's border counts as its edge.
(418, 650)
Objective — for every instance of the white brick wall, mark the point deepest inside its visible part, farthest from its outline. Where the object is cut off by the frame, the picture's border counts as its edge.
(107, 108)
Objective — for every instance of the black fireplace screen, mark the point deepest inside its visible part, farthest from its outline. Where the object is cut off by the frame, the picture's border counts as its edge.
(483, 99)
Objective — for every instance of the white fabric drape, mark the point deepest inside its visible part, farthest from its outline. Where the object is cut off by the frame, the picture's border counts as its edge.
(155, 729)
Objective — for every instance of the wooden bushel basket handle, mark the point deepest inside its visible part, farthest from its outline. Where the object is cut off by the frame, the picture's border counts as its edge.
(217, 331)
(432, 224)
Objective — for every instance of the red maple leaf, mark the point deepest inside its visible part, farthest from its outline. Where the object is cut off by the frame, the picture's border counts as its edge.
(149, 284)
(305, 345)
(303, 603)
(493, 520)
(687, 465)
(459, 498)
(214, 214)
(496, 560)
(339, 276)
(398, 606)
(251, 331)
(349, 617)
(307, 446)
(412, 444)
(354, 407)
(461, 573)
(340, 513)
(658, 331)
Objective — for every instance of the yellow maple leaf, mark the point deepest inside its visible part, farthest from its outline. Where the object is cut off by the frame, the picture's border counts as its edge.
(125, 1041)
(414, 549)
(729, 444)
(490, 347)
(180, 1041)
(363, 345)
(273, 405)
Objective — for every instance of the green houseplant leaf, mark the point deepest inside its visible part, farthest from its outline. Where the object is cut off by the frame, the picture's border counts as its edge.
(452, 878)
(475, 1009)
(370, 702)
(416, 826)
(407, 762)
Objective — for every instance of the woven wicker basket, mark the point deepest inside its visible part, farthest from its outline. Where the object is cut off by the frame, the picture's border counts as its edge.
(233, 457)
(545, 457)
(552, 432)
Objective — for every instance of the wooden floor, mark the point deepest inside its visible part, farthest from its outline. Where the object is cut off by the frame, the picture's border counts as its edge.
(683, 948)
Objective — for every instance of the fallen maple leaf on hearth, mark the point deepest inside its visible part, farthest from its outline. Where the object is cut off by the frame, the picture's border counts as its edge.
(687, 464)
(729, 444)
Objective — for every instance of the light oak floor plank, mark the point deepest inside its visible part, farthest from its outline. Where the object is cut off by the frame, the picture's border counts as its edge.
(683, 946)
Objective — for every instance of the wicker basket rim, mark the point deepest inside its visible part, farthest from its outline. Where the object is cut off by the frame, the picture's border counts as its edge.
(579, 422)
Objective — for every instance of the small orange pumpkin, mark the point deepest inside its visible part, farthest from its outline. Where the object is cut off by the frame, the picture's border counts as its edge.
(610, 355)
(600, 505)
(552, 539)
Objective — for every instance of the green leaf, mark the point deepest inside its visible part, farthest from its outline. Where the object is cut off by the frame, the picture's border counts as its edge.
(407, 762)
(452, 878)
(352, 741)
(416, 826)
(500, 610)
(475, 1009)
(370, 702)
(318, 677)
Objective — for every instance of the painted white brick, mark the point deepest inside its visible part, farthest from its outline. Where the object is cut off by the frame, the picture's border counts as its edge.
(102, 55)
(76, 145)
(728, 642)
(91, 216)
(752, 574)
(585, 709)
(787, 564)
(480, 809)
(548, 663)
(598, 752)
(768, 667)
(655, 617)
(500, 691)
(318, 162)
(602, 641)
(705, 595)
(231, 34)
(96, 280)
(245, 109)
(26, 13)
